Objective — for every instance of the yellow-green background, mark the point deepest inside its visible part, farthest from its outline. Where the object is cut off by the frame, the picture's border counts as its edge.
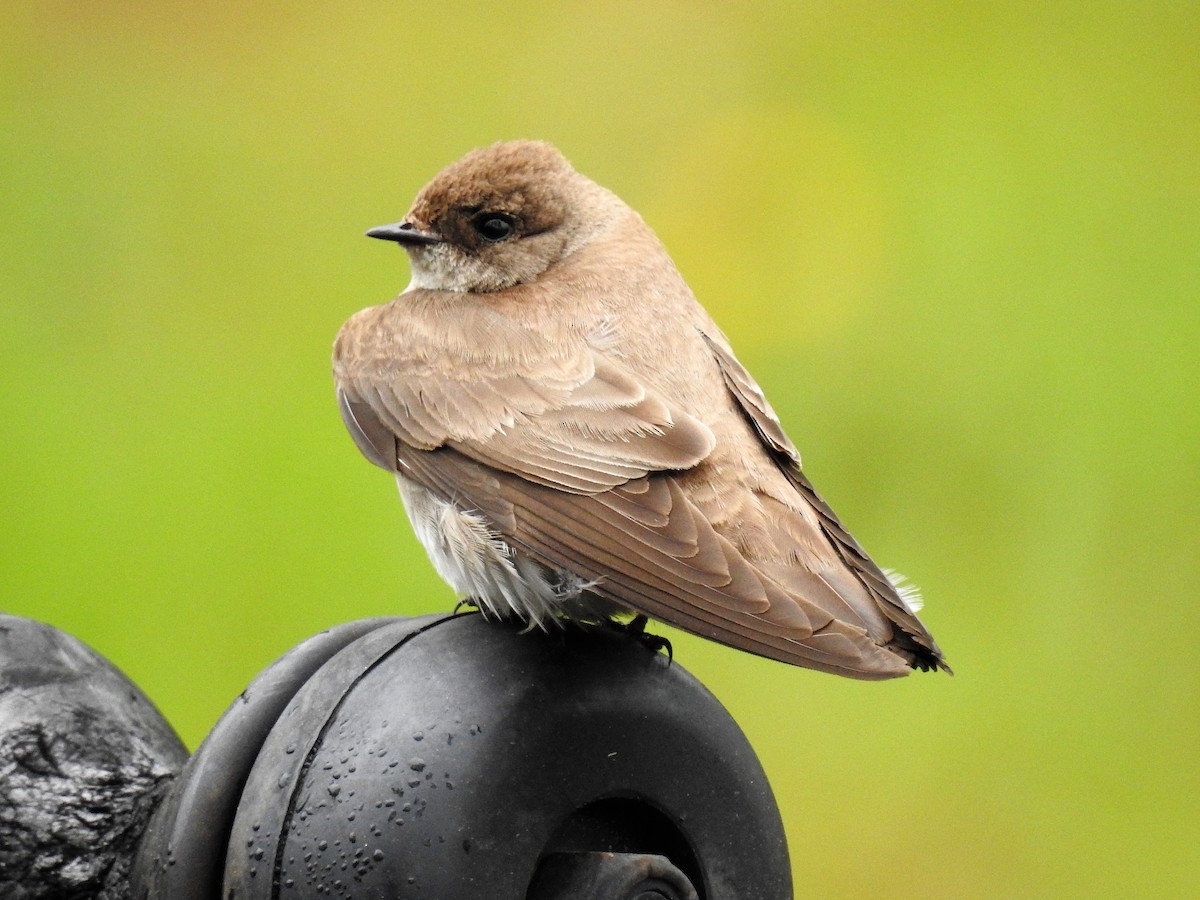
(958, 244)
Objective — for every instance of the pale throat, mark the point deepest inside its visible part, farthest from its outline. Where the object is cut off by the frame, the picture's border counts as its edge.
(425, 278)
(441, 271)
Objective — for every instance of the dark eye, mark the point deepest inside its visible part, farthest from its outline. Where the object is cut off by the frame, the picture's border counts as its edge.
(494, 227)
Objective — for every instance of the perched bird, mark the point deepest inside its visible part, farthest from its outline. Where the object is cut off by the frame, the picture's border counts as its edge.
(574, 438)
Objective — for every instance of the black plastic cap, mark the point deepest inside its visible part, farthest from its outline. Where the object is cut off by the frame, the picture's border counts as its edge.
(448, 756)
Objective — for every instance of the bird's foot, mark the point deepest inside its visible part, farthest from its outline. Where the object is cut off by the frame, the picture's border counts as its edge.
(636, 628)
(465, 603)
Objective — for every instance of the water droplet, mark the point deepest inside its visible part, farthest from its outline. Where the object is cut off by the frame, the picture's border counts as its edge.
(416, 764)
(377, 855)
(418, 736)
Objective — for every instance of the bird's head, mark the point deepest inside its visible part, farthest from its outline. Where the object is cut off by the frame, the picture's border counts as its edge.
(500, 216)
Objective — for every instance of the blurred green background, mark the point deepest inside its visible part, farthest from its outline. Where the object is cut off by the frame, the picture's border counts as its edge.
(958, 244)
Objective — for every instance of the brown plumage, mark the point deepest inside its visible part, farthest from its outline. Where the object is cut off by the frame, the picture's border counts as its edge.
(573, 435)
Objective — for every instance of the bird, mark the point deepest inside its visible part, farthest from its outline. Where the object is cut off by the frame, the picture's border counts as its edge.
(575, 440)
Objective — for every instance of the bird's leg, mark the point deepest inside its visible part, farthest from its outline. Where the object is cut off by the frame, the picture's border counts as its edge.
(636, 628)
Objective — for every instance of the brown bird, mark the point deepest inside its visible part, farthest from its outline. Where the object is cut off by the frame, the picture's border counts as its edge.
(574, 438)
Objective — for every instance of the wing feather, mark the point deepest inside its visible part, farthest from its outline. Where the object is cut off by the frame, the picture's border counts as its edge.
(678, 569)
(580, 464)
(911, 638)
(571, 419)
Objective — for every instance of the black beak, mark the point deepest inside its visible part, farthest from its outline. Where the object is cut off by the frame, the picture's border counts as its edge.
(403, 234)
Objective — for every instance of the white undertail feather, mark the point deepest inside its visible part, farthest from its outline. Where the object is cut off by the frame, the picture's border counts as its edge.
(478, 563)
(909, 592)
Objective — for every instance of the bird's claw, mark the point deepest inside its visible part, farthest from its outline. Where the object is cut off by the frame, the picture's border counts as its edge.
(465, 602)
(636, 628)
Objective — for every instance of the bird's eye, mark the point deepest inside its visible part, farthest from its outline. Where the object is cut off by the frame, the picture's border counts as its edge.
(494, 227)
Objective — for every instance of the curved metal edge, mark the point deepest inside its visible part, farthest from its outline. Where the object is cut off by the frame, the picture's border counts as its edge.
(609, 876)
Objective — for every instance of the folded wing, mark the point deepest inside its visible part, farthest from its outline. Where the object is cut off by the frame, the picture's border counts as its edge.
(581, 466)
